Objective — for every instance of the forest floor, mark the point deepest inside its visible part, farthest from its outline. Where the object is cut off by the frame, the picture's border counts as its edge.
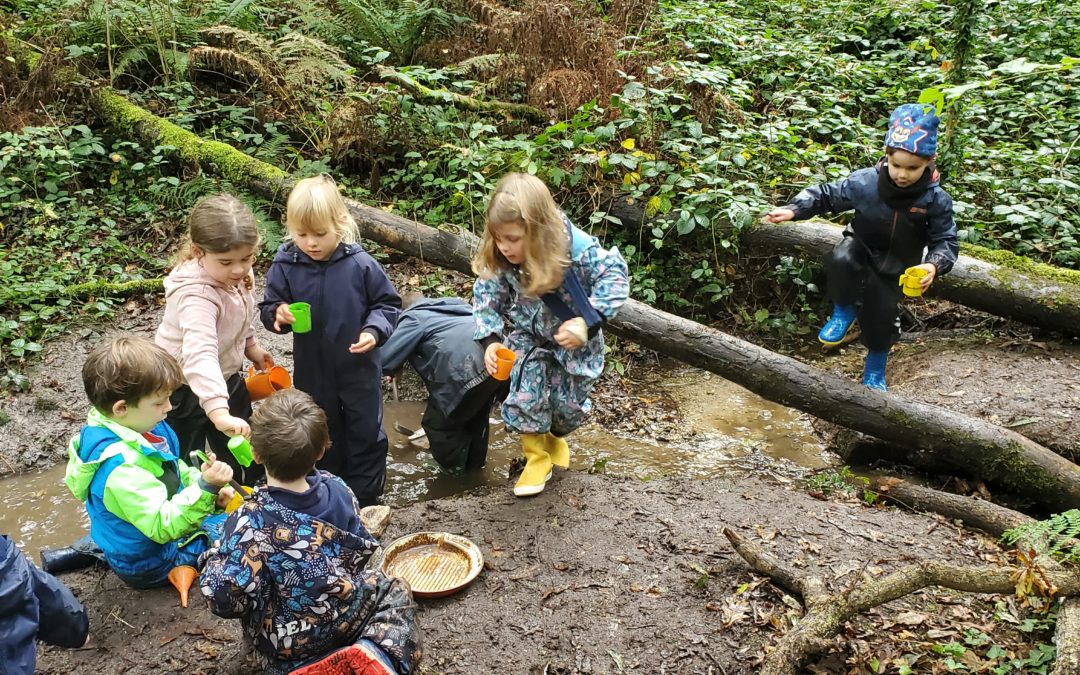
(606, 574)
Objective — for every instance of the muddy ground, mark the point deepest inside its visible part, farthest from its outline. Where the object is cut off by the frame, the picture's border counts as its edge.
(604, 575)
(601, 574)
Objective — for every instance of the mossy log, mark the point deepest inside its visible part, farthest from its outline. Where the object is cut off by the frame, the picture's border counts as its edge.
(826, 612)
(460, 100)
(96, 289)
(212, 156)
(995, 282)
(971, 446)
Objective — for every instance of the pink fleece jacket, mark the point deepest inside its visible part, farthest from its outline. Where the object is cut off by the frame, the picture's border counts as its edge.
(207, 328)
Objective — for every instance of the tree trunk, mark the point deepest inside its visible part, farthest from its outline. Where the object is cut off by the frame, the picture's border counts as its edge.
(460, 100)
(971, 446)
(974, 513)
(1015, 288)
(995, 282)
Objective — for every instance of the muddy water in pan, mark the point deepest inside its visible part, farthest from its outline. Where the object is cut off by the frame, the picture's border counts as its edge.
(737, 432)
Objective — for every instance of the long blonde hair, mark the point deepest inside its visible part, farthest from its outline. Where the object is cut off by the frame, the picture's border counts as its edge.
(521, 199)
(218, 224)
(316, 204)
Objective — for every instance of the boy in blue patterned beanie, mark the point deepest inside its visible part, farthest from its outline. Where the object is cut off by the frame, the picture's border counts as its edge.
(903, 218)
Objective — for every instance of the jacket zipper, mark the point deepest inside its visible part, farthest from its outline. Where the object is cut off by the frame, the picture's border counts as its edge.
(892, 233)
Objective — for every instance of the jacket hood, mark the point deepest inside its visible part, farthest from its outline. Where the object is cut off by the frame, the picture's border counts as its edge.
(290, 254)
(935, 175)
(447, 306)
(190, 273)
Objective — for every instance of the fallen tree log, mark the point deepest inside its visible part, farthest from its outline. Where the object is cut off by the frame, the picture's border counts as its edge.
(970, 445)
(996, 282)
(460, 100)
(972, 512)
(826, 612)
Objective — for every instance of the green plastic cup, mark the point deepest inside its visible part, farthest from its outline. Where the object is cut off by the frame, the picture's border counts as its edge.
(240, 447)
(302, 312)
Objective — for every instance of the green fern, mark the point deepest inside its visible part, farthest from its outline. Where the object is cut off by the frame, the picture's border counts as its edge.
(398, 26)
(1057, 536)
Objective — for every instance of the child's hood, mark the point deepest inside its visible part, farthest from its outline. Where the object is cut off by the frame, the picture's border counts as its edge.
(98, 441)
(290, 254)
(188, 274)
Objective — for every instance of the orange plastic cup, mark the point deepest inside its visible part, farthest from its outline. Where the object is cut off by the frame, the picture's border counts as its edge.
(263, 383)
(181, 577)
(504, 363)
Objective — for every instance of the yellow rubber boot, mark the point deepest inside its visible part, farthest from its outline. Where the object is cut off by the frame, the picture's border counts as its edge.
(558, 450)
(537, 466)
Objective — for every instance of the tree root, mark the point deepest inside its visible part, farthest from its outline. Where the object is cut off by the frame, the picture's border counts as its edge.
(826, 612)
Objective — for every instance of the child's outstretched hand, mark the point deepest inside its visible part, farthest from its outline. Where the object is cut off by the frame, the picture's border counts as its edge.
(216, 473)
(491, 362)
(365, 343)
(260, 357)
(931, 272)
(779, 215)
(229, 425)
(283, 317)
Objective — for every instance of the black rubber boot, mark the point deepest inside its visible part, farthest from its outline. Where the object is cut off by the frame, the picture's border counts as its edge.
(57, 560)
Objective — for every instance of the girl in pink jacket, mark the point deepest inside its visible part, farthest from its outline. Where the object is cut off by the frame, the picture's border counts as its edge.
(207, 327)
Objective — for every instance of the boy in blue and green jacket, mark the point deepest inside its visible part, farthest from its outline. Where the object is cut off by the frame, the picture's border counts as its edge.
(148, 510)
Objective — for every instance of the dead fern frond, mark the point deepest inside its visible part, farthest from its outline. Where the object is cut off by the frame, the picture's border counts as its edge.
(483, 66)
(234, 66)
(310, 63)
(237, 40)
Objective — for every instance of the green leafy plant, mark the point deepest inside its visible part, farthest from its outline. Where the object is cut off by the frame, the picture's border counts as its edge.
(1054, 536)
(398, 26)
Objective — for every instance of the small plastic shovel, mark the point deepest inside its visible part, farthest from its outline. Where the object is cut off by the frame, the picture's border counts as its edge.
(197, 455)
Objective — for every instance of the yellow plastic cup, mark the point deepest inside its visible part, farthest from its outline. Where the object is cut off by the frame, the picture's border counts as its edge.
(504, 363)
(911, 280)
(237, 499)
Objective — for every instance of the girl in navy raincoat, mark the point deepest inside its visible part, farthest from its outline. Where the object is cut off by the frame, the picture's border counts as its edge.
(556, 286)
(354, 309)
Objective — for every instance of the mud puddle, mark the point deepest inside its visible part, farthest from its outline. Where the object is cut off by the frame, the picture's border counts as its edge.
(733, 432)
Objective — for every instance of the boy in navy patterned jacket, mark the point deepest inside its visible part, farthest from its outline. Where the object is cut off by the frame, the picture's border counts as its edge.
(291, 560)
(900, 210)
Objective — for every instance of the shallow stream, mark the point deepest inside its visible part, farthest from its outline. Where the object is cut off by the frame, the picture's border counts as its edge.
(736, 432)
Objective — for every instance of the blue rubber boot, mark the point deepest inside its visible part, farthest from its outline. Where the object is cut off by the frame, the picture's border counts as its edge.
(874, 374)
(838, 324)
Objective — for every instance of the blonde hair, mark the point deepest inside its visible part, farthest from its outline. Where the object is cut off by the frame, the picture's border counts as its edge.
(218, 224)
(521, 199)
(316, 204)
(128, 368)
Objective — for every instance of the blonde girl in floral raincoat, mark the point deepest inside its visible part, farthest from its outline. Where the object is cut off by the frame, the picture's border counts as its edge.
(544, 290)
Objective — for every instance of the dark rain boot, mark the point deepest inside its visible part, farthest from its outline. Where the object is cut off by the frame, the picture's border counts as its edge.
(66, 559)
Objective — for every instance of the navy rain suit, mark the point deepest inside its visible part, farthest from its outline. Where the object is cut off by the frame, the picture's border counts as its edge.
(436, 337)
(33, 605)
(881, 242)
(349, 293)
